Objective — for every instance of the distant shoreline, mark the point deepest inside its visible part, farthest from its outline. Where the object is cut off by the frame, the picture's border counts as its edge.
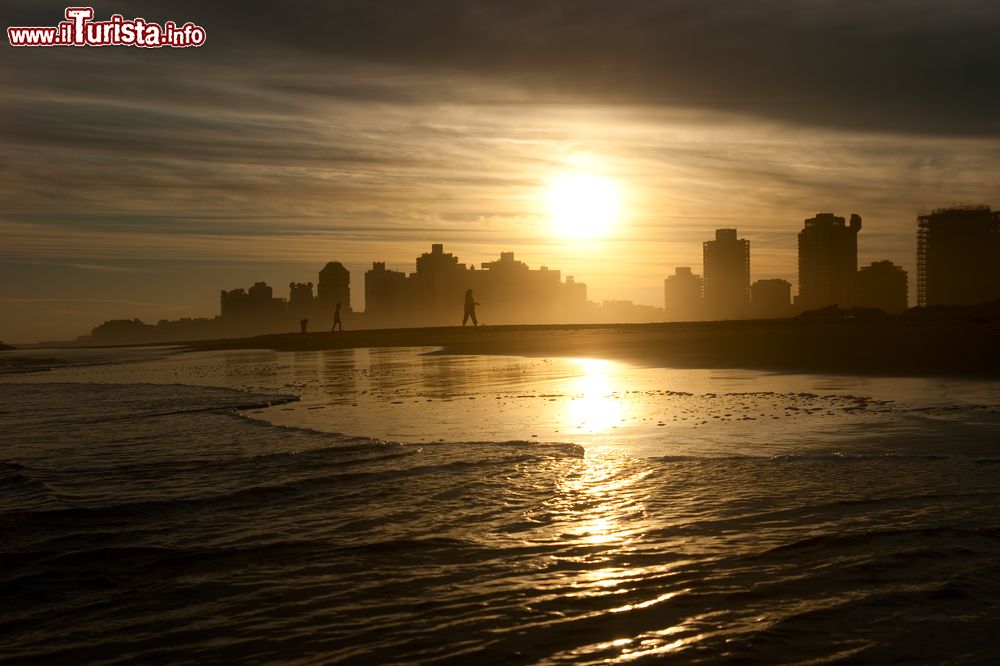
(893, 346)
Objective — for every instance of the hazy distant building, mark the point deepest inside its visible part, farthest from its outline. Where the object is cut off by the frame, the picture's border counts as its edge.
(129, 331)
(256, 310)
(334, 287)
(300, 298)
(958, 256)
(121, 331)
(625, 311)
(881, 285)
(511, 292)
(516, 293)
(576, 293)
(439, 283)
(253, 306)
(828, 261)
(386, 291)
(508, 290)
(727, 275)
(682, 295)
(771, 299)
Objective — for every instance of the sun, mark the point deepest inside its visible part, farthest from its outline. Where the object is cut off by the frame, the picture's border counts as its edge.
(582, 205)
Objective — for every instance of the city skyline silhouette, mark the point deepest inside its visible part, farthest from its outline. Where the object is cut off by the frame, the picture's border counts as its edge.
(956, 247)
(138, 177)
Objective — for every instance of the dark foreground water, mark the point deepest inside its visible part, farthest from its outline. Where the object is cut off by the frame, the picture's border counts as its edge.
(152, 523)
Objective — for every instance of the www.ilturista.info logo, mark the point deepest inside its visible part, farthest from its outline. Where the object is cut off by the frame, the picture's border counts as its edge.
(80, 30)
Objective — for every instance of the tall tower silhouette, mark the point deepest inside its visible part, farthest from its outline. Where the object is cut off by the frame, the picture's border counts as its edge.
(334, 287)
(828, 261)
(958, 256)
(727, 275)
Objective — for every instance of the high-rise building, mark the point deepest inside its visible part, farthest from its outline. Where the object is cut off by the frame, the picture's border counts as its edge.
(386, 292)
(881, 285)
(958, 256)
(440, 282)
(727, 275)
(828, 261)
(771, 299)
(682, 299)
(334, 287)
(300, 298)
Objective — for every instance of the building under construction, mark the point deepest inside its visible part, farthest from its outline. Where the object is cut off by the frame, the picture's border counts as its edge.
(958, 256)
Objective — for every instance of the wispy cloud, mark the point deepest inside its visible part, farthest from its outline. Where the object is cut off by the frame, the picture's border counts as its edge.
(360, 131)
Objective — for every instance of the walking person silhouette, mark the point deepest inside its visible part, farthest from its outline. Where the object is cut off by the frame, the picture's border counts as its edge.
(337, 323)
(470, 309)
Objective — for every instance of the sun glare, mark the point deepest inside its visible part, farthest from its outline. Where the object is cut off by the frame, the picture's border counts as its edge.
(582, 205)
(595, 408)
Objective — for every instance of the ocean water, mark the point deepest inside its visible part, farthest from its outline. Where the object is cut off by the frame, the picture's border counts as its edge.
(374, 506)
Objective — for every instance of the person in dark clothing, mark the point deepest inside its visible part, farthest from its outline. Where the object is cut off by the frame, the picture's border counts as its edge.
(304, 324)
(470, 309)
(337, 323)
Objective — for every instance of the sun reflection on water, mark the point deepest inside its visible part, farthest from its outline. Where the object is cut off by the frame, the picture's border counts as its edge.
(595, 406)
(604, 520)
(600, 499)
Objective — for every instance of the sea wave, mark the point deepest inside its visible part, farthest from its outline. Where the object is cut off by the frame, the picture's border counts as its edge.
(159, 523)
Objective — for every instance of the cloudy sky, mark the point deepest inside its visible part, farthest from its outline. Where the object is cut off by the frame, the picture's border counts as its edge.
(140, 182)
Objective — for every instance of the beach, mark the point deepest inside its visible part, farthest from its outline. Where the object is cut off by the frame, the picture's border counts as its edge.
(890, 347)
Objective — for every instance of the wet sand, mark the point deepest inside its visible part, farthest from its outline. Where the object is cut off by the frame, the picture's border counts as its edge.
(893, 347)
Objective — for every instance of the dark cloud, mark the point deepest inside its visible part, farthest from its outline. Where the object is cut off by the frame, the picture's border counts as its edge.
(903, 65)
(906, 66)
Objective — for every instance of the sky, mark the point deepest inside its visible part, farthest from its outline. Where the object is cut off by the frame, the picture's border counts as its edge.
(140, 182)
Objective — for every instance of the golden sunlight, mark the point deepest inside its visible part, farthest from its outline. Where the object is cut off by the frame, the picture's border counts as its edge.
(582, 205)
(594, 407)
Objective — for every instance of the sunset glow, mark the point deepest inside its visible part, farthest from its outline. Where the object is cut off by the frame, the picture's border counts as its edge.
(478, 331)
(582, 205)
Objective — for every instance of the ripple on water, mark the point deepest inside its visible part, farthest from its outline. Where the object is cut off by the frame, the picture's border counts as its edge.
(155, 523)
